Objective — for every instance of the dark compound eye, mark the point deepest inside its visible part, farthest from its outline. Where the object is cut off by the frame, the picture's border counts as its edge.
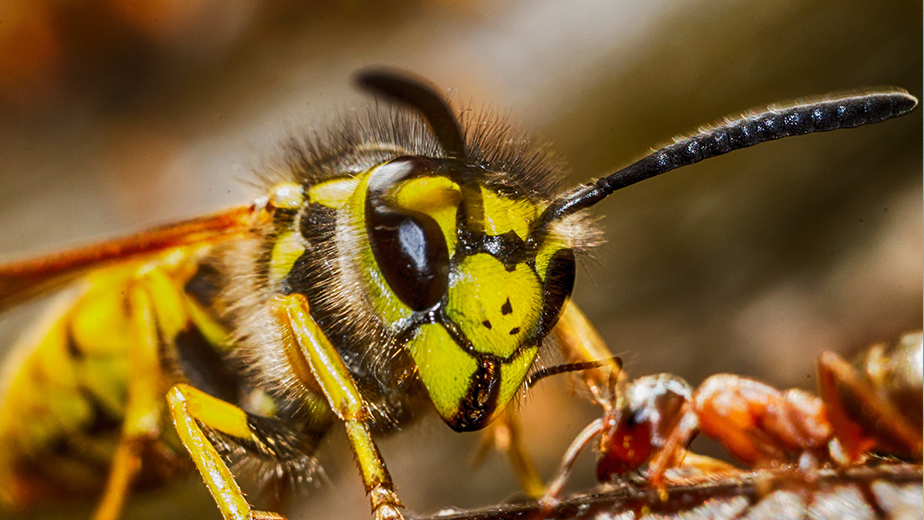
(411, 252)
(559, 282)
(409, 246)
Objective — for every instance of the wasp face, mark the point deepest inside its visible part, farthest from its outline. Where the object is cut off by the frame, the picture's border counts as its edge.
(476, 299)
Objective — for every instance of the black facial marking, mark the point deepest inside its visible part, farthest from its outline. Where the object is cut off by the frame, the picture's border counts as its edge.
(508, 247)
(559, 281)
(506, 308)
(481, 399)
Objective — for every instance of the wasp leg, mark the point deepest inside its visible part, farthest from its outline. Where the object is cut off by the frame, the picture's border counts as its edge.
(344, 398)
(189, 407)
(506, 436)
(875, 421)
(151, 297)
(580, 342)
(125, 465)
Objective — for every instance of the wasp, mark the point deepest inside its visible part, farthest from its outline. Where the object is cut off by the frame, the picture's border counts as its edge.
(411, 260)
(872, 406)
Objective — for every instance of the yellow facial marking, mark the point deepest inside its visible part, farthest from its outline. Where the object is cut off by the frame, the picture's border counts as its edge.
(503, 214)
(444, 367)
(496, 309)
(333, 194)
(437, 197)
(287, 195)
(513, 374)
(429, 194)
(287, 249)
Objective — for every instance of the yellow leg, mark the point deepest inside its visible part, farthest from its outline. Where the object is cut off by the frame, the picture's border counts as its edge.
(125, 465)
(580, 342)
(189, 405)
(506, 436)
(143, 405)
(328, 369)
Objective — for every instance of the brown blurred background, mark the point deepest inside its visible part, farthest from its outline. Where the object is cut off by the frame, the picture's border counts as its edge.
(118, 114)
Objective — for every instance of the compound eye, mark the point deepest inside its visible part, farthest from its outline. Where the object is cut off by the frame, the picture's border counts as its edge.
(411, 252)
(559, 282)
(409, 246)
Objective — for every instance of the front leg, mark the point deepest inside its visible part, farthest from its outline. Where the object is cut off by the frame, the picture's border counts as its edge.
(344, 398)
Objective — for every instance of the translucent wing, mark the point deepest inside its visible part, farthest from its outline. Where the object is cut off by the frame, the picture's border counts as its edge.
(26, 279)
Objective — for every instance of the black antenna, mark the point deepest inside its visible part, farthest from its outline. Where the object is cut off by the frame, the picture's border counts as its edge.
(828, 113)
(543, 373)
(404, 88)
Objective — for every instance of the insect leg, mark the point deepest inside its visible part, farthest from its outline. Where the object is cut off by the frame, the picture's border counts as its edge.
(189, 407)
(506, 436)
(143, 408)
(674, 449)
(875, 419)
(345, 400)
(125, 465)
(588, 434)
(580, 342)
(755, 422)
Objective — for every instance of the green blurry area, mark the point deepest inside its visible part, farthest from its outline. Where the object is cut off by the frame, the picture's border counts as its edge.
(119, 117)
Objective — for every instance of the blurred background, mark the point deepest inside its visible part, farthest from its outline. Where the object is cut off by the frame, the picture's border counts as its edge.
(117, 114)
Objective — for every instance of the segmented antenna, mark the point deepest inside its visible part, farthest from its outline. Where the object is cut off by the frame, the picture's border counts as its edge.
(831, 112)
(543, 373)
(403, 88)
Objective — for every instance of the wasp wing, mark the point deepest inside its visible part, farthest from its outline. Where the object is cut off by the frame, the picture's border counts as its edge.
(26, 279)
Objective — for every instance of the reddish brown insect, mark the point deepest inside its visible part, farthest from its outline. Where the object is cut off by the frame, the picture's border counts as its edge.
(872, 406)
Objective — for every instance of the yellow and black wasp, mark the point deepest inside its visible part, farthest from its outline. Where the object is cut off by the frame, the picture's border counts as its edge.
(412, 259)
